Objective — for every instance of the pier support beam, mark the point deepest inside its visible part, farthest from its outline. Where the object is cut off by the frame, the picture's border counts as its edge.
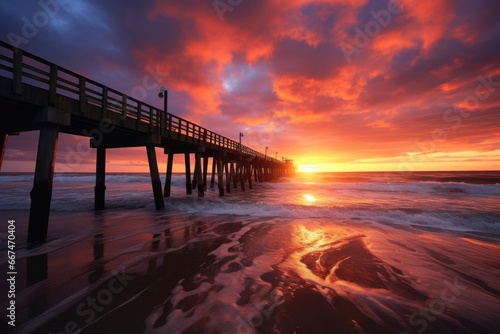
(168, 178)
(155, 177)
(100, 179)
(220, 176)
(198, 172)
(194, 183)
(255, 172)
(249, 175)
(241, 174)
(187, 162)
(205, 172)
(228, 176)
(212, 178)
(261, 175)
(3, 145)
(41, 194)
(234, 174)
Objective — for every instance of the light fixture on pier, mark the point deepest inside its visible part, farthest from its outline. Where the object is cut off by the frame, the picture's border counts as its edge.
(241, 135)
(163, 94)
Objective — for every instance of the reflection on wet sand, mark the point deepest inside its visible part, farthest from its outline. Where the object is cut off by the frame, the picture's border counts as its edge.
(36, 272)
(196, 274)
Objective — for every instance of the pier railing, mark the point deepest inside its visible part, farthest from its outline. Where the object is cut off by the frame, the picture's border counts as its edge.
(25, 68)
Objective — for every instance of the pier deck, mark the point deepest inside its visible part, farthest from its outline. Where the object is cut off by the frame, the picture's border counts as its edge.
(36, 94)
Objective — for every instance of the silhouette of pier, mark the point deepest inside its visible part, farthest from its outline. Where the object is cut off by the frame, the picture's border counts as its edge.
(36, 94)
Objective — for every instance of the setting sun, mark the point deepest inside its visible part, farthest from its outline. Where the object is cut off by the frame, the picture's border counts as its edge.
(309, 198)
(307, 168)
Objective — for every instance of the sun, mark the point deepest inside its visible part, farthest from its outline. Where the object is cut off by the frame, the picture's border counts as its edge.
(309, 198)
(307, 168)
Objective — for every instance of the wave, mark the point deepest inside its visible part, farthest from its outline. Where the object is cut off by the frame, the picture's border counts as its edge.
(372, 184)
(90, 178)
(456, 221)
(424, 187)
(447, 205)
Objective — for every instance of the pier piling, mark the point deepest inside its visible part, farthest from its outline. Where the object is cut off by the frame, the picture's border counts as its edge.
(228, 177)
(168, 177)
(3, 145)
(212, 178)
(187, 163)
(220, 176)
(198, 174)
(100, 179)
(205, 172)
(155, 177)
(41, 194)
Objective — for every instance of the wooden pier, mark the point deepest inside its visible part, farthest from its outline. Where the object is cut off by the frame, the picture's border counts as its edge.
(38, 95)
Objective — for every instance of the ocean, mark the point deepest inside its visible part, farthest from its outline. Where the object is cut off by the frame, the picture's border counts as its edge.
(377, 252)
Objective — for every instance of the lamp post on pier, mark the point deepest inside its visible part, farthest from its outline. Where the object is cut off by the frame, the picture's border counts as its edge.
(241, 135)
(163, 94)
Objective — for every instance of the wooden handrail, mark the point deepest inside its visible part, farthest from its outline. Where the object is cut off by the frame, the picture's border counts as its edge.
(70, 84)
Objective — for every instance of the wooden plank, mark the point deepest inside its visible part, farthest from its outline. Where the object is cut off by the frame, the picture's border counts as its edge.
(53, 85)
(17, 80)
(105, 102)
(138, 115)
(169, 125)
(124, 108)
(83, 100)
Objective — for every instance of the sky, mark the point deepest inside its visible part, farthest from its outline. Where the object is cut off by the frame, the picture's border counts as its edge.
(335, 85)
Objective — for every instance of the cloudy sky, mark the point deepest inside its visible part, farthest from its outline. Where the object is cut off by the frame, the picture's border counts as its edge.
(333, 84)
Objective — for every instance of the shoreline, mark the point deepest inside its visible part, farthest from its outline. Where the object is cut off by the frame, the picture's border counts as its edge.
(229, 264)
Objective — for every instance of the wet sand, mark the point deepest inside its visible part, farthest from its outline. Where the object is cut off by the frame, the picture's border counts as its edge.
(138, 271)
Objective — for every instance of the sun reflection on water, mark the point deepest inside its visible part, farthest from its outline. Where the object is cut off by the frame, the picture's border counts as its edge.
(309, 237)
(309, 199)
